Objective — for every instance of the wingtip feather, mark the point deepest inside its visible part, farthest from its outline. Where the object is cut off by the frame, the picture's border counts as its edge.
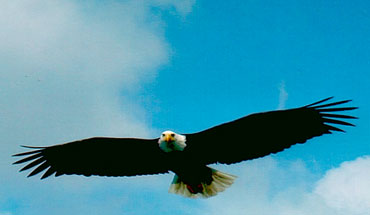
(318, 102)
(48, 173)
(329, 127)
(39, 169)
(32, 164)
(334, 121)
(33, 147)
(26, 153)
(337, 109)
(32, 157)
(332, 104)
(338, 116)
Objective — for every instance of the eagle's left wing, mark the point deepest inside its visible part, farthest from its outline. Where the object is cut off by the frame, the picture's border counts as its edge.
(261, 134)
(97, 156)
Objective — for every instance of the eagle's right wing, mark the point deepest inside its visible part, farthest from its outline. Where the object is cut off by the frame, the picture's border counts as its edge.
(97, 156)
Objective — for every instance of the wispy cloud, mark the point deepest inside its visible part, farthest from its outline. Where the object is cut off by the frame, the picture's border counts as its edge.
(283, 95)
(272, 187)
(181, 7)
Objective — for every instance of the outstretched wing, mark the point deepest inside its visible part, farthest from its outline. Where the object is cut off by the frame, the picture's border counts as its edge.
(260, 134)
(97, 156)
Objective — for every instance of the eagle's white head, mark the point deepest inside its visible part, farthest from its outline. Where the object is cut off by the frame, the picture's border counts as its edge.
(170, 141)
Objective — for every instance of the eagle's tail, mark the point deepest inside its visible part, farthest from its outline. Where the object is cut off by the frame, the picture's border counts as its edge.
(220, 181)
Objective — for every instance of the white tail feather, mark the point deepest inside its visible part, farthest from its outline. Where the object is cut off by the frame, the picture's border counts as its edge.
(220, 182)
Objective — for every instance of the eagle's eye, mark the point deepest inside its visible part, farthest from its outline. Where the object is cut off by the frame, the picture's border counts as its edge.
(172, 135)
(163, 135)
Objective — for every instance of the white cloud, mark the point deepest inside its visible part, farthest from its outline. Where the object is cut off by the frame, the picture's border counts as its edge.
(347, 188)
(266, 186)
(63, 66)
(66, 68)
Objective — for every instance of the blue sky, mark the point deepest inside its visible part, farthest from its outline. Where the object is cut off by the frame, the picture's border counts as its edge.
(72, 70)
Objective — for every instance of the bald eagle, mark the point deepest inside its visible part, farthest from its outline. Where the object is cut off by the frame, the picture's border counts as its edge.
(187, 155)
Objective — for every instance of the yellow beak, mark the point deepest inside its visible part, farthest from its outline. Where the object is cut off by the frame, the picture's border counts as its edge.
(168, 138)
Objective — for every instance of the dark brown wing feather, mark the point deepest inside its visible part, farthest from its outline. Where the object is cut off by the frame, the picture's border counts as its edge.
(260, 134)
(97, 156)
